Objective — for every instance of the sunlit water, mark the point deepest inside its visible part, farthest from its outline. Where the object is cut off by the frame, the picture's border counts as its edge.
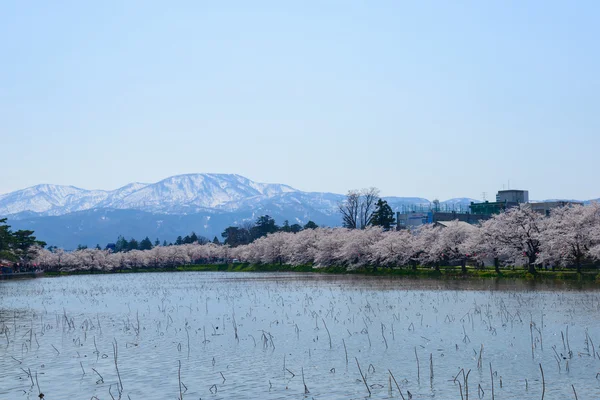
(171, 324)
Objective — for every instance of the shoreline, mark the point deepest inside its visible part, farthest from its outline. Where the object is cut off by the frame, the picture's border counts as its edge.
(421, 272)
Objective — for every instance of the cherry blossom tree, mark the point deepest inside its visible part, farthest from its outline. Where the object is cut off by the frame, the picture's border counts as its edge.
(570, 235)
(517, 233)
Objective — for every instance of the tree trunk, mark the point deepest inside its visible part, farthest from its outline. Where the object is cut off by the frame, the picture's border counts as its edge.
(531, 269)
(497, 265)
(578, 262)
(463, 266)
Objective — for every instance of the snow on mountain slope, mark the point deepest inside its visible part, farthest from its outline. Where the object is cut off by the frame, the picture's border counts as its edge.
(194, 192)
(53, 199)
(178, 194)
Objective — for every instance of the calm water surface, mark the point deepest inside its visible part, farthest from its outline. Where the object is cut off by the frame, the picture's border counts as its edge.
(250, 335)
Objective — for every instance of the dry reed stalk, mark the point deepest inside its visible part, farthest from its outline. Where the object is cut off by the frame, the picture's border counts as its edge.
(398, 386)
(363, 377)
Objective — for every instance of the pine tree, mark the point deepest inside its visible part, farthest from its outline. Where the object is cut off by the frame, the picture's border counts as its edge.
(216, 240)
(121, 245)
(145, 244)
(133, 245)
(311, 225)
(383, 215)
(156, 242)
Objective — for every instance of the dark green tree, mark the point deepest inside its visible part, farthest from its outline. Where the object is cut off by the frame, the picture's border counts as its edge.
(295, 228)
(193, 237)
(98, 247)
(81, 247)
(263, 226)
(179, 240)
(164, 243)
(145, 244)
(121, 245)
(235, 236)
(286, 226)
(156, 242)
(133, 245)
(216, 240)
(383, 215)
(311, 225)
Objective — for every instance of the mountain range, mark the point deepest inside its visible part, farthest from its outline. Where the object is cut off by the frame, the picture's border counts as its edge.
(66, 216)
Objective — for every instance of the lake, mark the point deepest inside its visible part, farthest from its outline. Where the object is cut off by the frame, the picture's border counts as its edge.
(253, 335)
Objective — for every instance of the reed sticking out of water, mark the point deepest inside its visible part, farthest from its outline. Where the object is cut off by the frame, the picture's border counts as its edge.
(480, 361)
(543, 382)
(574, 392)
(398, 386)
(531, 334)
(418, 369)
(363, 377)
(40, 394)
(492, 376)
(467, 384)
(568, 346)
(384, 339)
(345, 351)
(179, 378)
(306, 391)
(431, 367)
(99, 381)
(116, 355)
(327, 332)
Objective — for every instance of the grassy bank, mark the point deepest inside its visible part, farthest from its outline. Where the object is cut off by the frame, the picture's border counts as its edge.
(420, 272)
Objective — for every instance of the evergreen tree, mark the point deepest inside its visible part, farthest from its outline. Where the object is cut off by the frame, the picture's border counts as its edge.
(295, 228)
(235, 236)
(81, 247)
(164, 243)
(383, 215)
(179, 240)
(156, 242)
(264, 225)
(193, 237)
(187, 239)
(286, 226)
(98, 247)
(145, 244)
(311, 225)
(121, 245)
(133, 245)
(216, 240)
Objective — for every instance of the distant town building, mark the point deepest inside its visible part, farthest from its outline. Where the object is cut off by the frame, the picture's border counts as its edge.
(547, 206)
(414, 216)
(512, 196)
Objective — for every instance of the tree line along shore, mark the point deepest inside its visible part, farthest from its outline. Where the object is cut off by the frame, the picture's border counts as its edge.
(520, 238)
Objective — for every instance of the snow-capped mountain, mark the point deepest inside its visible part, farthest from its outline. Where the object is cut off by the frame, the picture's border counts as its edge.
(180, 194)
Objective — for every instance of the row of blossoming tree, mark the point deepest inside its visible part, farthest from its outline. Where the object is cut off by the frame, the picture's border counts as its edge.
(569, 237)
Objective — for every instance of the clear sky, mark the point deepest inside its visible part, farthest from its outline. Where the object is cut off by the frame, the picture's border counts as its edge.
(433, 99)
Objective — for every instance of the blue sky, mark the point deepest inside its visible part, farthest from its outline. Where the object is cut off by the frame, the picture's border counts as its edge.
(432, 99)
